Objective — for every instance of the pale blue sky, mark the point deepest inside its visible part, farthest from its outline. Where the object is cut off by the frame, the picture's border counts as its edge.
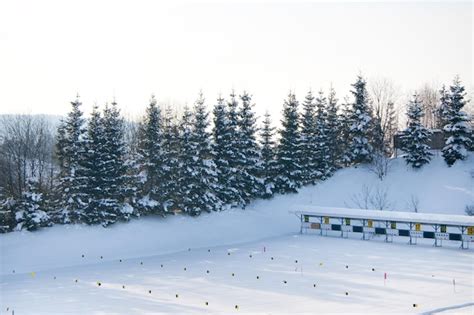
(49, 50)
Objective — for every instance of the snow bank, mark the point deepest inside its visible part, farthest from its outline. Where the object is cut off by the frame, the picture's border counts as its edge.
(439, 189)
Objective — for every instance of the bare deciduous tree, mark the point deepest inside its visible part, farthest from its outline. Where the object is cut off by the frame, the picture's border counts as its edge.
(26, 143)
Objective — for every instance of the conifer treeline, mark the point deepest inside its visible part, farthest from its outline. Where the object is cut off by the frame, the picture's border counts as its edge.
(200, 162)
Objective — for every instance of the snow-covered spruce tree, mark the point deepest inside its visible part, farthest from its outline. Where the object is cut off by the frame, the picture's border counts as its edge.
(360, 149)
(150, 156)
(269, 165)
(332, 123)
(94, 167)
(344, 135)
(309, 141)
(198, 174)
(170, 163)
(71, 198)
(416, 136)
(31, 214)
(289, 177)
(251, 163)
(235, 179)
(457, 127)
(442, 110)
(113, 170)
(222, 151)
(322, 153)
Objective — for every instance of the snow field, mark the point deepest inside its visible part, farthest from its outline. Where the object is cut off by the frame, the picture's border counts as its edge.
(318, 272)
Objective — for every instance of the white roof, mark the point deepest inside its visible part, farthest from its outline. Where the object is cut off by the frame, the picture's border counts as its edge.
(386, 215)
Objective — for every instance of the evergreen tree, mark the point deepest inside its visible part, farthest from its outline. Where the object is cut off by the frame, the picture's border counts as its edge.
(289, 177)
(360, 149)
(457, 127)
(333, 127)
(71, 199)
(309, 141)
(344, 135)
(170, 163)
(198, 180)
(249, 152)
(322, 154)
(94, 166)
(150, 155)
(269, 166)
(113, 170)
(236, 176)
(31, 215)
(416, 136)
(442, 111)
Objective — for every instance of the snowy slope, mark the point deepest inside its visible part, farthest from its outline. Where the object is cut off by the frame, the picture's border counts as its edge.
(440, 190)
(57, 252)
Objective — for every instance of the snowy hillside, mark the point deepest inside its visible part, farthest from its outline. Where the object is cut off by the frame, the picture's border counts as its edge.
(182, 241)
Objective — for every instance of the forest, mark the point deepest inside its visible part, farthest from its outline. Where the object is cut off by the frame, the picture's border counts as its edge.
(104, 168)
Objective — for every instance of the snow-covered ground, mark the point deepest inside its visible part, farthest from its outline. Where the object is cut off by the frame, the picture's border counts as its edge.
(419, 275)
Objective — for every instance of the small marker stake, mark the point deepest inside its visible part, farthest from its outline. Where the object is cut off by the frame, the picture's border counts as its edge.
(141, 262)
(207, 271)
(373, 269)
(120, 260)
(82, 255)
(99, 284)
(284, 281)
(149, 291)
(207, 303)
(347, 267)
(415, 305)
(208, 250)
(296, 261)
(101, 257)
(258, 277)
(236, 307)
(184, 268)
(271, 258)
(250, 256)
(228, 253)
(347, 293)
(314, 285)
(233, 274)
(123, 287)
(177, 296)
(161, 266)
(75, 280)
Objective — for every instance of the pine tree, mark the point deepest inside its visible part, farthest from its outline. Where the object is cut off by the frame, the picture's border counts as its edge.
(223, 152)
(113, 170)
(322, 153)
(309, 141)
(249, 152)
(360, 149)
(31, 214)
(443, 108)
(289, 177)
(333, 127)
(344, 135)
(416, 136)
(269, 166)
(170, 163)
(94, 166)
(150, 153)
(457, 127)
(71, 199)
(198, 178)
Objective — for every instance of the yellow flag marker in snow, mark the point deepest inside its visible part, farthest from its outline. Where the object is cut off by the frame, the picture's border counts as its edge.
(33, 274)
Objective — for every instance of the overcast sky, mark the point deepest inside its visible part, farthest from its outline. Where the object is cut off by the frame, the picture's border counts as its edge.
(50, 50)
